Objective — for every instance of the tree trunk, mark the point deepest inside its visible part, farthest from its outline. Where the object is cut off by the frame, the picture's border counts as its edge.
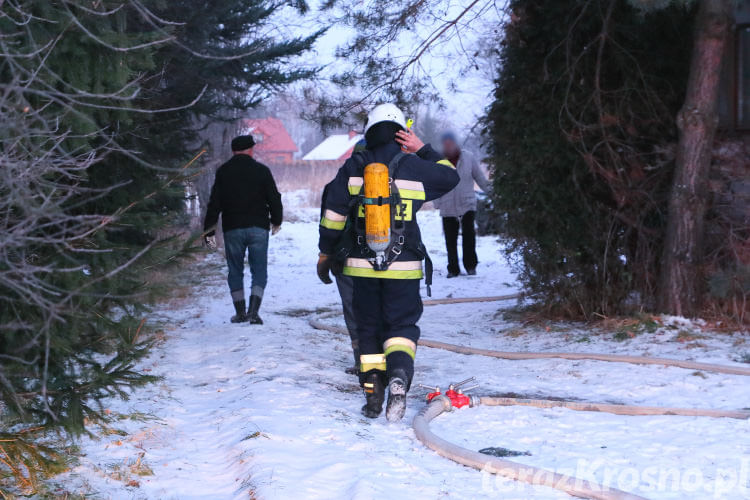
(681, 278)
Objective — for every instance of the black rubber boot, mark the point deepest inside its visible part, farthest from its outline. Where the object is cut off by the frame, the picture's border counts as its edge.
(252, 311)
(374, 395)
(240, 316)
(397, 387)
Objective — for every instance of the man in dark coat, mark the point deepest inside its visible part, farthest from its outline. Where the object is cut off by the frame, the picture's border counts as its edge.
(245, 194)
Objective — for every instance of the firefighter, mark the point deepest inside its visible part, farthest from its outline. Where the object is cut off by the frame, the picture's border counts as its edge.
(345, 285)
(369, 228)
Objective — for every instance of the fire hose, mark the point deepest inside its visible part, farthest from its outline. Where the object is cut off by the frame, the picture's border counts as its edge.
(466, 300)
(575, 356)
(440, 403)
(506, 468)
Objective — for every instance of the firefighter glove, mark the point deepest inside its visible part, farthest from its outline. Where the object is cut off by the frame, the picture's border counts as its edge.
(324, 268)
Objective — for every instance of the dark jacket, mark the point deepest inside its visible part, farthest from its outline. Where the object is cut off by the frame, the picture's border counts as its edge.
(420, 178)
(245, 195)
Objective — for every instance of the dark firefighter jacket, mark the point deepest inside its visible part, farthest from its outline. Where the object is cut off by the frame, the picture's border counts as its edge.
(245, 194)
(420, 177)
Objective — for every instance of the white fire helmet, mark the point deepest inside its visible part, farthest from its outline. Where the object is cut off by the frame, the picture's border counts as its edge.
(385, 113)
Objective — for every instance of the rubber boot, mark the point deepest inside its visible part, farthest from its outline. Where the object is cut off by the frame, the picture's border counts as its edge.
(240, 316)
(374, 395)
(396, 407)
(252, 311)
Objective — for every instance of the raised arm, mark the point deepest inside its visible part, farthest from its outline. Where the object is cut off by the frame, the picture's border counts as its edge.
(438, 175)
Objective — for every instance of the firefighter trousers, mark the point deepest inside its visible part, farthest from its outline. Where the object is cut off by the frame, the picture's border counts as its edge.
(386, 312)
(345, 285)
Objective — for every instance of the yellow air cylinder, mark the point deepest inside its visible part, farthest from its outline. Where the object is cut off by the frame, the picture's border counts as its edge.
(377, 216)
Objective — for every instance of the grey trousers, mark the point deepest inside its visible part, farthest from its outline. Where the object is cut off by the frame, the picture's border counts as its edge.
(346, 291)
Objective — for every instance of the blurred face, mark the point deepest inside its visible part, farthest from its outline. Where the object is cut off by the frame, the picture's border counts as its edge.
(450, 148)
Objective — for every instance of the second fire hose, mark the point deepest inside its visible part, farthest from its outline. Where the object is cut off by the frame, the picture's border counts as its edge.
(439, 403)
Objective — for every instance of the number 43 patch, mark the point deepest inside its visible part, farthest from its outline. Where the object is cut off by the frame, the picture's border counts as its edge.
(404, 211)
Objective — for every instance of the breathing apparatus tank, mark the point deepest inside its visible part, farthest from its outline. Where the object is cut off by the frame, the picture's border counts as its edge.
(377, 205)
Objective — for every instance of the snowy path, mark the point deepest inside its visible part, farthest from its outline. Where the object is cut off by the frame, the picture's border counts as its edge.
(267, 412)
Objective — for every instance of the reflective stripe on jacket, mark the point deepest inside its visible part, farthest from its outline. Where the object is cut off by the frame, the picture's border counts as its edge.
(421, 177)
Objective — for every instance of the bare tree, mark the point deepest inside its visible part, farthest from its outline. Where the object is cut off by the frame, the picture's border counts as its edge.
(697, 121)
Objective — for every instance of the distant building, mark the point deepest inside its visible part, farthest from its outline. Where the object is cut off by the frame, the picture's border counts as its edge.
(273, 142)
(335, 147)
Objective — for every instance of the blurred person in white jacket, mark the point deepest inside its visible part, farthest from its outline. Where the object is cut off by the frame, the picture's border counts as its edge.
(458, 208)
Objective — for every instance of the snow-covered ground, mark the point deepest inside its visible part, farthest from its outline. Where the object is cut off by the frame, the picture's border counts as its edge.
(268, 412)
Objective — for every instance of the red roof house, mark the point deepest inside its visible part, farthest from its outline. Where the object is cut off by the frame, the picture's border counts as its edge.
(273, 142)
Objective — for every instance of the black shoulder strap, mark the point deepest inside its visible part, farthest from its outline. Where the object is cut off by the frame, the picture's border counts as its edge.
(394, 164)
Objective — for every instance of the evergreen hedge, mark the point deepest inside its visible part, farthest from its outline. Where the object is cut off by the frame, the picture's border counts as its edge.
(581, 133)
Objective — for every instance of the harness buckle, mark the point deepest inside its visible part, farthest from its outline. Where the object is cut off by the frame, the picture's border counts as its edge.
(379, 263)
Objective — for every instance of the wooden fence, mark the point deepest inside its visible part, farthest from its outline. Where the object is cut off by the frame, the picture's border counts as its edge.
(305, 175)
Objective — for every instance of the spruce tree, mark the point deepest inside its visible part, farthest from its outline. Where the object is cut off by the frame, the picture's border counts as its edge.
(100, 103)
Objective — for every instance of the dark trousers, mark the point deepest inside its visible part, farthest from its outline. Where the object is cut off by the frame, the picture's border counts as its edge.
(451, 226)
(345, 285)
(387, 309)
